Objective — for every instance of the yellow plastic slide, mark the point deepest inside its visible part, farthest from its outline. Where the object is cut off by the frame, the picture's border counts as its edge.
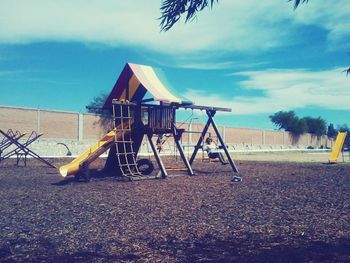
(338, 146)
(89, 155)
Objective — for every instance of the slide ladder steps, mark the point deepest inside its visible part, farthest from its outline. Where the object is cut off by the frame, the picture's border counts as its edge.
(124, 118)
(125, 153)
(124, 143)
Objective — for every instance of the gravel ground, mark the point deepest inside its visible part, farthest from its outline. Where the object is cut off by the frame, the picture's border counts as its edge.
(280, 212)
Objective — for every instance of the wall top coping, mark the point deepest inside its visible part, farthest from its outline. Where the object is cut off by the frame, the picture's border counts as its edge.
(39, 109)
(94, 114)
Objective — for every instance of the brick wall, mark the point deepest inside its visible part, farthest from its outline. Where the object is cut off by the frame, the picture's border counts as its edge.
(18, 119)
(76, 126)
(95, 127)
(58, 124)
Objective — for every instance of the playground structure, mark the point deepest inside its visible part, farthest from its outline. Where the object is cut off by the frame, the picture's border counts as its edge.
(337, 148)
(142, 106)
(21, 150)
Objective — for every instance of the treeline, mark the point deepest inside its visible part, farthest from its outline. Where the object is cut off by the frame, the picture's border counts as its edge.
(289, 121)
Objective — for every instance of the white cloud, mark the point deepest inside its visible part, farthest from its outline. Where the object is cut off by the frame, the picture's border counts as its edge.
(283, 90)
(231, 25)
(216, 65)
(332, 16)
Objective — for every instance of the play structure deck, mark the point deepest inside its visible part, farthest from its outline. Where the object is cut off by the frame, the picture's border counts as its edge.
(142, 106)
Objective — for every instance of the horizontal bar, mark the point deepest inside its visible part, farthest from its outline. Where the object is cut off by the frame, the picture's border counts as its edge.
(125, 153)
(198, 107)
(191, 131)
(118, 102)
(128, 164)
(185, 106)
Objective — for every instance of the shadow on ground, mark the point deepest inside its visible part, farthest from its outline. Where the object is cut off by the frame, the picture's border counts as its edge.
(206, 249)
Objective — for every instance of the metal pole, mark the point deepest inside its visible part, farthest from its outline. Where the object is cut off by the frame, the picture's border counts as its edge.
(177, 137)
(190, 135)
(210, 115)
(38, 121)
(156, 155)
(200, 140)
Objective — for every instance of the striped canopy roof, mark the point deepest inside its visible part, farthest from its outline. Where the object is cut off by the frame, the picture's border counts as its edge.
(137, 80)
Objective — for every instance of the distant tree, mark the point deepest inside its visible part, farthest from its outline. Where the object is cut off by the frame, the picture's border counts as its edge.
(331, 131)
(298, 126)
(345, 128)
(282, 119)
(105, 119)
(288, 121)
(95, 106)
(316, 126)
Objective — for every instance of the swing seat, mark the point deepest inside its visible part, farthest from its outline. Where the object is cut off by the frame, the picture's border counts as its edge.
(208, 159)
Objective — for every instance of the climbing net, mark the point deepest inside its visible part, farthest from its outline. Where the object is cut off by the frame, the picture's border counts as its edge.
(123, 141)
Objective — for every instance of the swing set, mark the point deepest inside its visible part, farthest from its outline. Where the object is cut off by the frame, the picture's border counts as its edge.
(142, 106)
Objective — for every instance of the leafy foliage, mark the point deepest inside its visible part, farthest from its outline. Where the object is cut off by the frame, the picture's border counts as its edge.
(95, 106)
(298, 126)
(282, 119)
(298, 2)
(345, 128)
(173, 9)
(288, 121)
(331, 131)
(316, 126)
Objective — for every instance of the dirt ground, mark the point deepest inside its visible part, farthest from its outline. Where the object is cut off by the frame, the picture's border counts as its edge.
(280, 212)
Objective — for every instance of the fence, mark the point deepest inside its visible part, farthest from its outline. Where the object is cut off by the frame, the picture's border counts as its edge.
(83, 128)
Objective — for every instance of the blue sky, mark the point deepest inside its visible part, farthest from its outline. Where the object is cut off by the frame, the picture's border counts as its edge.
(256, 57)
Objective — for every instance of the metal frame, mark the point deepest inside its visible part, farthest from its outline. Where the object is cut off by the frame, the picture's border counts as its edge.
(6, 142)
(21, 151)
(168, 125)
(211, 113)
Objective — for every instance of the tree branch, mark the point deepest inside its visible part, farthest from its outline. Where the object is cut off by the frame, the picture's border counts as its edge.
(298, 2)
(171, 11)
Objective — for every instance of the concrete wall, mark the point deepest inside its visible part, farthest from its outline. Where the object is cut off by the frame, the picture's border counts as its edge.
(81, 130)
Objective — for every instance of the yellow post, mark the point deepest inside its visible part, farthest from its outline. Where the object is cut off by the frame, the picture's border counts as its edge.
(338, 146)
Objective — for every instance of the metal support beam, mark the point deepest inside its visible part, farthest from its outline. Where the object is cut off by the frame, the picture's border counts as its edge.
(200, 141)
(24, 148)
(156, 155)
(80, 126)
(177, 137)
(211, 120)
